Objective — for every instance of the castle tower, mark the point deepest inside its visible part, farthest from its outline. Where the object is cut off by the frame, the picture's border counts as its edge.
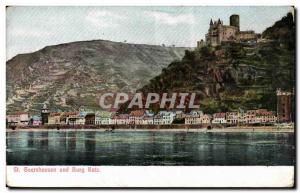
(44, 114)
(284, 106)
(235, 21)
(219, 32)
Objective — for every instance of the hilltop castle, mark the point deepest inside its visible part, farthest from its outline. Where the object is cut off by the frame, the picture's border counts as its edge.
(218, 33)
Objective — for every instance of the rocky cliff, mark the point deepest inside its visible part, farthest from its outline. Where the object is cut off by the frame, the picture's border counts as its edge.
(235, 75)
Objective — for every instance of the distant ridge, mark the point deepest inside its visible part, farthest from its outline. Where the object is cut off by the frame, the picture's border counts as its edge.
(73, 75)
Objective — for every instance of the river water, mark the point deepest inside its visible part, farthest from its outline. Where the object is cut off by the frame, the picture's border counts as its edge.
(142, 148)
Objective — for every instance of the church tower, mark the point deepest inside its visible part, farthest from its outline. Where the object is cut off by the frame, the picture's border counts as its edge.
(44, 114)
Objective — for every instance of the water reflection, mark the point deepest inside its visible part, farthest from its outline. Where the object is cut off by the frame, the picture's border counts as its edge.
(148, 148)
(30, 137)
(44, 140)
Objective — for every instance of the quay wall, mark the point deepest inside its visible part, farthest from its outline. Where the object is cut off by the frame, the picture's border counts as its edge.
(172, 126)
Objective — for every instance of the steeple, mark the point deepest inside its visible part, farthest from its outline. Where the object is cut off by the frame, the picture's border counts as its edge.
(219, 21)
(211, 22)
(45, 106)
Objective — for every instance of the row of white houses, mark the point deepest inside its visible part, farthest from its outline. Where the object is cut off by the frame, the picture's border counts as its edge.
(138, 117)
(142, 117)
(233, 118)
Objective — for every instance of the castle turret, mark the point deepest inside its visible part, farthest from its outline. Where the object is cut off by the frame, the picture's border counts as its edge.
(235, 21)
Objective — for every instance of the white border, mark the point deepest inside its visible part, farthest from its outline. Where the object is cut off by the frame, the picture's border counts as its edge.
(153, 2)
(156, 176)
(3, 3)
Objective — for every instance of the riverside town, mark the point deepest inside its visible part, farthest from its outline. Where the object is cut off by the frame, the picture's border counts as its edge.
(88, 118)
(226, 44)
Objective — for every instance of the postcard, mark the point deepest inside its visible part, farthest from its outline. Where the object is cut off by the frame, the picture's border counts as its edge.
(150, 96)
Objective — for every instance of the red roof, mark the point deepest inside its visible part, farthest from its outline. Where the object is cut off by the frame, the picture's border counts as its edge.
(55, 114)
(265, 113)
(71, 113)
(219, 115)
(122, 116)
(19, 113)
(137, 113)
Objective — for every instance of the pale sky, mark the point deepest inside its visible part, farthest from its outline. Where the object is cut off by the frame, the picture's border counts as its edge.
(32, 28)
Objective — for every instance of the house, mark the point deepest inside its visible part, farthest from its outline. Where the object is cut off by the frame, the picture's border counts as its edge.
(71, 118)
(158, 119)
(54, 118)
(36, 120)
(232, 117)
(195, 112)
(205, 119)
(219, 118)
(197, 117)
(122, 119)
(67, 118)
(259, 116)
(90, 119)
(180, 115)
(149, 113)
(75, 118)
(13, 119)
(19, 118)
(266, 117)
(241, 116)
(136, 117)
(167, 117)
(272, 118)
(103, 117)
(250, 116)
(146, 120)
(63, 118)
(80, 120)
(192, 119)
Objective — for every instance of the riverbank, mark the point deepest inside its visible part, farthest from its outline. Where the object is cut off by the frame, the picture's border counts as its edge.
(267, 129)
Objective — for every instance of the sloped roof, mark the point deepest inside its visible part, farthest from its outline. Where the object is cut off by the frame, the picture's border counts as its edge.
(219, 115)
(137, 113)
(54, 114)
(106, 114)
